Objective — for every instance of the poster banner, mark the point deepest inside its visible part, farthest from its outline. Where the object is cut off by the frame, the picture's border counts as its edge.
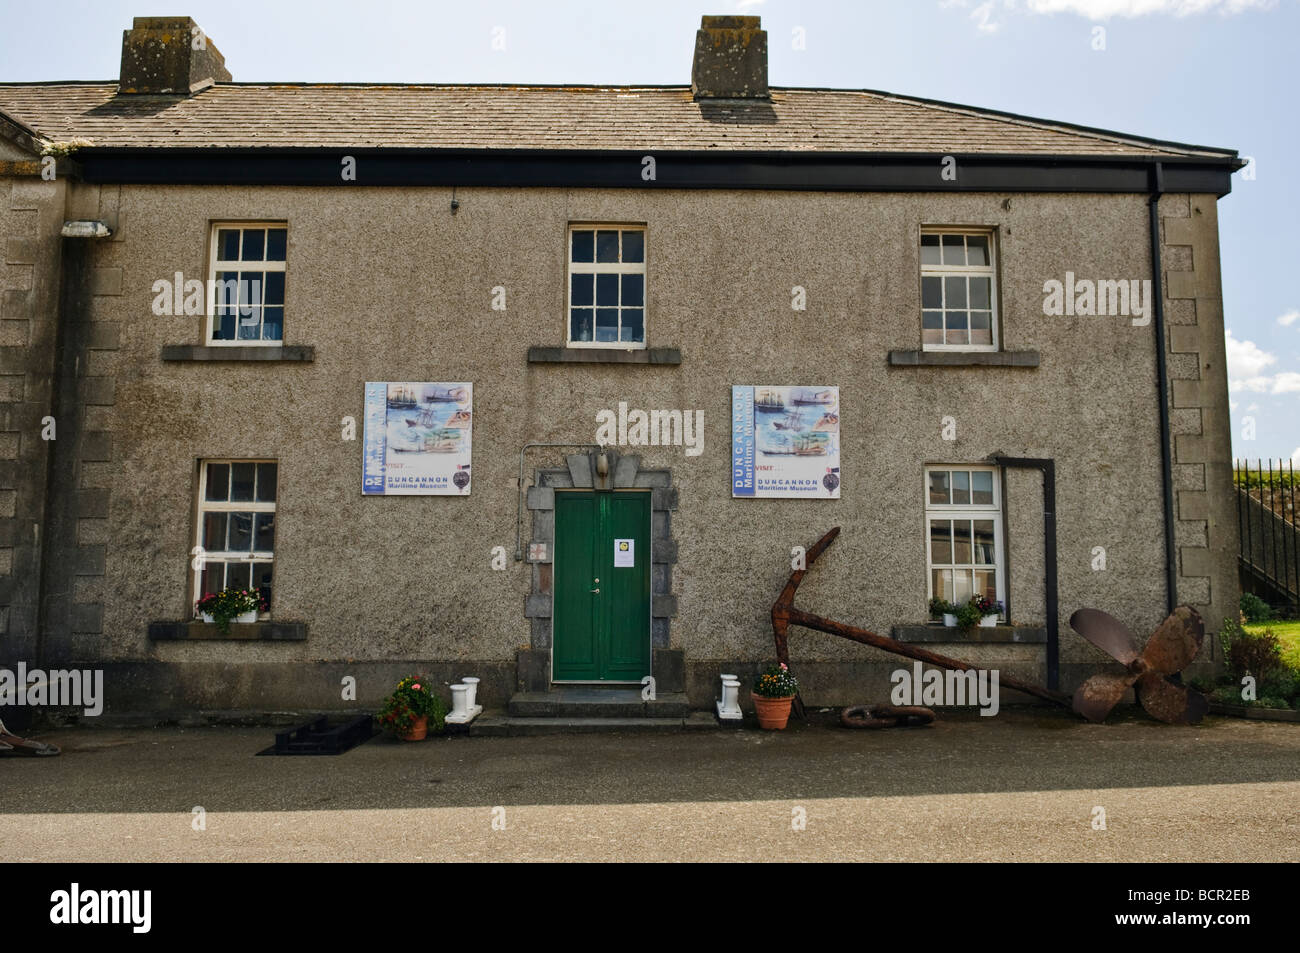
(417, 438)
(785, 442)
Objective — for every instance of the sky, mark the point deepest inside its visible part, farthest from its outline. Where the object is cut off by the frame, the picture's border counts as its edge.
(1210, 72)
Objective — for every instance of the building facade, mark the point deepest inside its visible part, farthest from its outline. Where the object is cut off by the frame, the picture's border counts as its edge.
(964, 304)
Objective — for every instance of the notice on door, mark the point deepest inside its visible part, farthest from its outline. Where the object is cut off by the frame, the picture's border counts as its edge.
(624, 553)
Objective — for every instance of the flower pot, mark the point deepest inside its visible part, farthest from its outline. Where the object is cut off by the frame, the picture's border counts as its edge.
(989, 621)
(418, 731)
(207, 617)
(246, 617)
(773, 713)
(950, 620)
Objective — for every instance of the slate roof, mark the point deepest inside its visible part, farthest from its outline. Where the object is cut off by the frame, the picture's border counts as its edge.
(286, 115)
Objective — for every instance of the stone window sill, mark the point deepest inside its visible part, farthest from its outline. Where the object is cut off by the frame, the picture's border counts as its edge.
(963, 358)
(1029, 634)
(239, 632)
(195, 352)
(593, 355)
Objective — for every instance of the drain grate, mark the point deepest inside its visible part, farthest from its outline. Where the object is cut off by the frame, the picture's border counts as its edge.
(319, 737)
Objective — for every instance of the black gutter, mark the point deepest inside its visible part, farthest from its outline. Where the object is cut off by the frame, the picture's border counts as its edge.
(1162, 383)
(543, 168)
(1048, 468)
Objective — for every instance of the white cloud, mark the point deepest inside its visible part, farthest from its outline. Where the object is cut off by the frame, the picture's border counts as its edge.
(1287, 382)
(1288, 319)
(744, 5)
(1105, 9)
(1295, 456)
(1253, 407)
(1245, 359)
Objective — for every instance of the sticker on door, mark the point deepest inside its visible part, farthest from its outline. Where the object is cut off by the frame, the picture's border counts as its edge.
(624, 553)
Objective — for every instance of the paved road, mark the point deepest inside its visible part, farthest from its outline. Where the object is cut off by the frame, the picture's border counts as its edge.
(1021, 786)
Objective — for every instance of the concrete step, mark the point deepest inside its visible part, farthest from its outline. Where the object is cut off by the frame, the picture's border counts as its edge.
(597, 703)
(499, 724)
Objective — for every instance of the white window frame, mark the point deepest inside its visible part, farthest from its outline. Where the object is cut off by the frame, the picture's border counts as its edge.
(607, 268)
(204, 505)
(940, 271)
(966, 511)
(214, 266)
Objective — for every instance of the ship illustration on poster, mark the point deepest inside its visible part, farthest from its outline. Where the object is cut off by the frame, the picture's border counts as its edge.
(785, 442)
(417, 439)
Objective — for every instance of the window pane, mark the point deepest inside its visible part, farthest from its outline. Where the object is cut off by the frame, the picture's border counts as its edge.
(226, 293)
(275, 242)
(606, 291)
(977, 248)
(931, 292)
(961, 585)
(932, 327)
(982, 487)
(981, 330)
(941, 542)
(953, 250)
(986, 583)
(241, 484)
(223, 325)
(264, 532)
(984, 543)
(581, 289)
(607, 246)
(266, 479)
(250, 325)
(273, 287)
(607, 324)
(262, 580)
(273, 324)
(633, 291)
(237, 575)
(580, 324)
(214, 532)
(228, 244)
(241, 532)
(254, 244)
(584, 246)
(980, 289)
(929, 249)
(941, 580)
(939, 486)
(633, 326)
(213, 580)
(961, 541)
(218, 482)
(634, 246)
(954, 292)
(957, 333)
(961, 487)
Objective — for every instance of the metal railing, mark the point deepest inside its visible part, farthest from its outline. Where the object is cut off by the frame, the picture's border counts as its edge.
(1269, 560)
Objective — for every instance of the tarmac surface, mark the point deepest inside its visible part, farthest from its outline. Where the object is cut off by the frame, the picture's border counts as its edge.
(1024, 785)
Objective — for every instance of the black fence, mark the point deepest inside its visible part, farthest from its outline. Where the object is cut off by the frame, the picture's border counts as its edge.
(1270, 540)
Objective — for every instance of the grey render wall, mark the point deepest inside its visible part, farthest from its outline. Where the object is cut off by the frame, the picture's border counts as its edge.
(386, 284)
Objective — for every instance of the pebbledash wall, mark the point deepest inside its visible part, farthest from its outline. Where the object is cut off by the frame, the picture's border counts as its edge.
(388, 284)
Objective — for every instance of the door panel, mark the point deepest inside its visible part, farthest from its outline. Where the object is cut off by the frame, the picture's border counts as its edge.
(601, 614)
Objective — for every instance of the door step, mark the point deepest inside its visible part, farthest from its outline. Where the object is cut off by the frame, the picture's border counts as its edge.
(580, 702)
(499, 725)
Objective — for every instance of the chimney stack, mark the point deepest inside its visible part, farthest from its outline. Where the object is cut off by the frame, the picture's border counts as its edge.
(730, 59)
(169, 56)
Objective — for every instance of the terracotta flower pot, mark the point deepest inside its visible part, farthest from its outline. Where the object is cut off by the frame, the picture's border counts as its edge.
(418, 731)
(773, 713)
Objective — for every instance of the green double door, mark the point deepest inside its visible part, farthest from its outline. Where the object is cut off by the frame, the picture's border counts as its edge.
(601, 614)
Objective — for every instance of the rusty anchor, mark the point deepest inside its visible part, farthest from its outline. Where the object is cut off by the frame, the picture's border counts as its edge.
(1170, 649)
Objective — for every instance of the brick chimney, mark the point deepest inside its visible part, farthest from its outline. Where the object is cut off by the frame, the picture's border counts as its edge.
(169, 55)
(730, 59)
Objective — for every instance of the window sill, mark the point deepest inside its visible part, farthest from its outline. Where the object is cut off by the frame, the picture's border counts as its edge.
(1029, 634)
(198, 352)
(963, 358)
(239, 632)
(593, 355)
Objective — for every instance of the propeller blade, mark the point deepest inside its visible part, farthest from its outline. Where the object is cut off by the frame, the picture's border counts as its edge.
(1107, 633)
(1095, 698)
(1174, 645)
(1174, 704)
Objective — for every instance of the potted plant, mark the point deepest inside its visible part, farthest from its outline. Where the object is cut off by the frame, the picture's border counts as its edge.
(407, 711)
(945, 610)
(989, 609)
(968, 615)
(241, 605)
(773, 693)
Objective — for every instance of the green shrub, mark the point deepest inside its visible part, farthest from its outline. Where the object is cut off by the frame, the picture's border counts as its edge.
(1254, 608)
(1247, 654)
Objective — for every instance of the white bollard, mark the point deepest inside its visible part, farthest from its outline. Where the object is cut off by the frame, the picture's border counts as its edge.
(729, 706)
(459, 704)
(473, 691)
